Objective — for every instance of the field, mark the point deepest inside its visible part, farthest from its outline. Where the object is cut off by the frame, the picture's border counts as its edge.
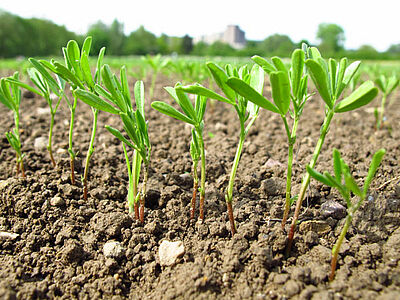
(56, 246)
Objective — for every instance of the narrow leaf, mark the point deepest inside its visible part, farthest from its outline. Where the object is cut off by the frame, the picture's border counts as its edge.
(202, 91)
(95, 101)
(220, 78)
(267, 67)
(298, 59)
(375, 162)
(363, 95)
(320, 78)
(280, 90)
(139, 96)
(170, 111)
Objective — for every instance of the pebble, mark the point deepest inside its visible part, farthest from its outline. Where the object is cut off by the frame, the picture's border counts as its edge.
(43, 111)
(40, 143)
(320, 227)
(8, 235)
(333, 209)
(169, 252)
(57, 201)
(113, 249)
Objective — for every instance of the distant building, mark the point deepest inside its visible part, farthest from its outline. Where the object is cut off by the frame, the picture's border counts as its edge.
(233, 36)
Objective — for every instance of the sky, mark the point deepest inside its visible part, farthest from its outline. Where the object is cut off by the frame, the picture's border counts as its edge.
(375, 23)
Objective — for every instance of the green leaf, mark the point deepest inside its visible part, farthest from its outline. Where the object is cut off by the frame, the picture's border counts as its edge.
(86, 46)
(139, 96)
(393, 82)
(111, 85)
(119, 136)
(95, 101)
(87, 75)
(168, 110)
(375, 162)
(97, 75)
(352, 185)
(278, 63)
(68, 76)
(246, 91)
(200, 107)
(202, 91)
(280, 90)
(340, 75)
(74, 58)
(257, 78)
(5, 96)
(40, 66)
(298, 59)
(185, 104)
(332, 64)
(360, 97)
(220, 78)
(314, 53)
(337, 165)
(125, 87)
(25, 86)
(318, 176)
(320, 78)
(267, 67)
(350, 71)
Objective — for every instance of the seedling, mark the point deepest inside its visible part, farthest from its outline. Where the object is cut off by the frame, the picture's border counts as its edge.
(46, 85)
(193, 116)
(330, 79)
(288, 86)
(387, 85)
(344, 182)
(12, 100)
(77, 73)
(247, 111)
(118, 101)
(157, 64)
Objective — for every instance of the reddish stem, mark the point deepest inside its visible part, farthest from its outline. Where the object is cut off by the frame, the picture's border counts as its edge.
(201, 206)
(231, 219)
(141, 209)
(72, 164)
(333, 266)
(136, 208)
(192, 211)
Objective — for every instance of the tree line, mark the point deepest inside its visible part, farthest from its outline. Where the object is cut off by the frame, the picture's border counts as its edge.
(37, 37)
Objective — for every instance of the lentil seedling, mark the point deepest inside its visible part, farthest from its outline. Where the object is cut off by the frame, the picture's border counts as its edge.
(193, 116)
(46, 85)
(387, 86)
(247, 112)
(344, 182)
(118, 101)
(330, 79)
(12, 100)
(288, 86)
(157, 64)
(77, 73)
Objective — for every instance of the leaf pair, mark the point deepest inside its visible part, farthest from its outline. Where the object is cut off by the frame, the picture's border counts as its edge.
(10, 95)
(332, 78)
(343, 181)
(387, 84)
(191, 114)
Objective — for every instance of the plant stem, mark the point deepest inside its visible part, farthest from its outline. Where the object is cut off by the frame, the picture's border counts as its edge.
(229, 191)
(195, 187)
(71, 129)
(381, 113)
(336, 248)
(203, 174)
(89, 153)
(307, 177)
(49, 147)
(291, 141)
(22, 168)
(135, 179)
(143, 194)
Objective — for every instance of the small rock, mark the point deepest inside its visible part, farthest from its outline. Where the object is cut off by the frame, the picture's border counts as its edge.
(271, 163)
(40, 143)
(169, 252)
(8, 235)
(57, 201)
(113, 249)
(291, 288)
(320, 227)
(221, 127)
(43, 111)
(28, 95)
(333, 209)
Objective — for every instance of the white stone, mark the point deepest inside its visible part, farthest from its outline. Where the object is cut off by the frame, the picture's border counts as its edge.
(57, 201)
(40, 143)
(113, 249)
(169, 252)
(43, 111)
(8, 235)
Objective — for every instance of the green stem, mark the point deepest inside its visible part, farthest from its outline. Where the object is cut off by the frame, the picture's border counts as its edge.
(336, 248)
(229, 191)
(195, 187)
(307, 177)
(137, 160)
(71, 129)
(382, 112)
(49, 145)
(291, 140)
(203, 173)
(89, 153)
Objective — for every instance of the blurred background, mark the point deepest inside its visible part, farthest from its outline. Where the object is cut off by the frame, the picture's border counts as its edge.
(356, 29)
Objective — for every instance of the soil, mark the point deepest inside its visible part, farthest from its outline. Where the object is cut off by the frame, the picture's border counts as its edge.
(57, 251)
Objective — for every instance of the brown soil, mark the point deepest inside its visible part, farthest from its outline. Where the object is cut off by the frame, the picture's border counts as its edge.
(58, 252)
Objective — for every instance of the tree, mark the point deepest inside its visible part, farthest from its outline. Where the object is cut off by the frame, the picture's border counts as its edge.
(331, 37)
(141, 42)
(117, 38)
(277, 44)
(187, 44)
(101, 37)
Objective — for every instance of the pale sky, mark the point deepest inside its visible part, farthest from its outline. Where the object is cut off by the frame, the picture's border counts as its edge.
(376, 23)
